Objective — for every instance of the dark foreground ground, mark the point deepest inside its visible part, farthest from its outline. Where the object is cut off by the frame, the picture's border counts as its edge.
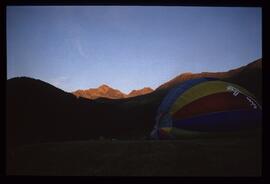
(235, 156)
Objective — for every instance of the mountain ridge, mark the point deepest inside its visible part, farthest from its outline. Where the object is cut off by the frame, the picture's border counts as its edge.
(105, 91)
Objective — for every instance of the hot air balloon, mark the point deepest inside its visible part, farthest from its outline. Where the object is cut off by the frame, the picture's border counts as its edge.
(206, 105)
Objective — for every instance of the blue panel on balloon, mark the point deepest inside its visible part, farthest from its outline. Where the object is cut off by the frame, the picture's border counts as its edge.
(222, 121)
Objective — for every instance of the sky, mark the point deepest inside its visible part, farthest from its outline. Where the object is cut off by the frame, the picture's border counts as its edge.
(128, 47)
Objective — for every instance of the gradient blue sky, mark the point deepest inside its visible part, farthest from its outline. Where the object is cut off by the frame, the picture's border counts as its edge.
(80, 47)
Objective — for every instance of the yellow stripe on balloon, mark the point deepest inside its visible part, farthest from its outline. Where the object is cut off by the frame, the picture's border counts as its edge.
(205, 89)
(167, 130)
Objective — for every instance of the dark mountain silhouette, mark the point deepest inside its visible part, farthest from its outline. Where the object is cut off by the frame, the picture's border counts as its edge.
(256, 65)
(39, 112)
(105, 91)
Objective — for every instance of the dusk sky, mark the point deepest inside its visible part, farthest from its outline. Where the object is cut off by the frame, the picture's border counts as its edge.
(81, 47)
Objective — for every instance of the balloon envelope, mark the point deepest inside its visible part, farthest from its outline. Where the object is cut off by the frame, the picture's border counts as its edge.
(206, 105)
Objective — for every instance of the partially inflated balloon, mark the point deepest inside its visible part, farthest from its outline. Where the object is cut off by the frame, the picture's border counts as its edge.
(206, 105)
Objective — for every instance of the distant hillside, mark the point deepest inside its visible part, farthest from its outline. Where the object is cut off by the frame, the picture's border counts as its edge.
(39, 112)
(105, 91)
(256, 65)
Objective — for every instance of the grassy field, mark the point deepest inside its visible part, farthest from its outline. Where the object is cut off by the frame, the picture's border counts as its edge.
(192, 157)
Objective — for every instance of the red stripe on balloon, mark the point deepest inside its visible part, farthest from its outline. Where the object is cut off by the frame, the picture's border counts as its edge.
(213, 103)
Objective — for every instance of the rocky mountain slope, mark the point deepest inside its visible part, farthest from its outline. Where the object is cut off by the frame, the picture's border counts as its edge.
(105, 91)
